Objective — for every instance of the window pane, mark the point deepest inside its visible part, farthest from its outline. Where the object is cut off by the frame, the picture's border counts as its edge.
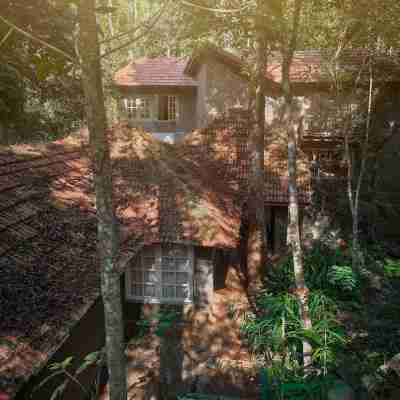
(182, 292)
(149, 291)
(151, 277)
(168, 277)
(172, 108)
(163, 108)
(168, 263)
(182, 264)
(168, 291)
(182, 277)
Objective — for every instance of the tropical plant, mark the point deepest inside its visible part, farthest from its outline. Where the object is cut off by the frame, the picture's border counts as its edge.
(70, 374)
(278, 332)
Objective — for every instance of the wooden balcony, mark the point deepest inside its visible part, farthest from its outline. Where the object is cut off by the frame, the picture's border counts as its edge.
(327, 130)
(277, 190)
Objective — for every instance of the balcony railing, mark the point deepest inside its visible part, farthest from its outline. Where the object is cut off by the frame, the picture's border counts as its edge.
(329, 127)
(277, 190)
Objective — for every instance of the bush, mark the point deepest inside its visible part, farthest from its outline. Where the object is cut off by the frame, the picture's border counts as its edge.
(324, 269)
(278, 330)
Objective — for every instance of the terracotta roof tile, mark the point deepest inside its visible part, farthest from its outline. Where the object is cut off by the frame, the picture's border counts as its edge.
(311, 66)
(161, 71)
(48, 252)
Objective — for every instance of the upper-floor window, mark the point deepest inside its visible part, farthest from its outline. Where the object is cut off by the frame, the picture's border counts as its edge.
(167, 108)
(161, 274)
(138, 107)
(157, 107)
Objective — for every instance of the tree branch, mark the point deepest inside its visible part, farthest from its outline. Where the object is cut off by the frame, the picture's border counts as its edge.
(296, 23)
(136, 28)
(138, 37)
(36, 39)
(6, 36)
(216, 10)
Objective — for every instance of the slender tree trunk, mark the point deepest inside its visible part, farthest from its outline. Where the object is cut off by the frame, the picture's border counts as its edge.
(110, 20)
(357, 258)
(132, 16)
(294, 239)
(107, 227)
(256, 147)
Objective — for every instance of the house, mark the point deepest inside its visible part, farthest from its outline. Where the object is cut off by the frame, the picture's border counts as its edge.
(180, 207)
(171, 96)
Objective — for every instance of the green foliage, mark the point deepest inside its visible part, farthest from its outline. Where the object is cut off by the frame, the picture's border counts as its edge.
(69, 372)
(325, 269)
(342, 277)
(279, 329)
(392, 268)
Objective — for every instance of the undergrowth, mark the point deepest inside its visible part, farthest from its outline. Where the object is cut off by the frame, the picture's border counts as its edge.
(337, 295)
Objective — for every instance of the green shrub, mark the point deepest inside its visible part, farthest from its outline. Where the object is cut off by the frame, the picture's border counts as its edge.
(324, 269)
(392, 268)
(279, 331)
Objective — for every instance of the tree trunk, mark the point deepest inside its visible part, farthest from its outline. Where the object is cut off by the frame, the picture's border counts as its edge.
(256, 147)
(357, 257)
(110, 20)
(106, 225)
(294, 239)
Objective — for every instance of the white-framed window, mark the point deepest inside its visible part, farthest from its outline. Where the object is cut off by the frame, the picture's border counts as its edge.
(161, 274)
(167, 108)
(138, 108)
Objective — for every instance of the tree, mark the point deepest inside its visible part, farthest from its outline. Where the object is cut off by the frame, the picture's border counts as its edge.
(288, 45)
(106, 225)
(46, 79)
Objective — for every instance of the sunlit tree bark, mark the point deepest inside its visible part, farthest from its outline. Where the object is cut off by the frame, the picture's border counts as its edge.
(294, 239)
(107, 227)
(258, 238)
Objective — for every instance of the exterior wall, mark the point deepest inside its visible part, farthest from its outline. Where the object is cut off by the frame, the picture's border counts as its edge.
(186, 108)
(204, 276)
(201, 109)
(86, 337)
(219, 90)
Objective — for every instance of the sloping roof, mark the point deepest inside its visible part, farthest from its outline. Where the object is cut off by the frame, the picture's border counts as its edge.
(49, 275)
(166, 196)
(226, 57)
(48, 263)
(222, 150)
(161, 71)
(311, 66)
(190, 193)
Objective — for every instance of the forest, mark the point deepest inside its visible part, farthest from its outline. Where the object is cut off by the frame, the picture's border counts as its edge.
(278, 218)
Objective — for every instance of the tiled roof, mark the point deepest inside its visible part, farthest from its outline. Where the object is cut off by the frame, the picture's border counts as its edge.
(222, 150)
(161, 71)
(48, 264)
(191, 192)
(46, 209)
(166, 196)
(311, 66)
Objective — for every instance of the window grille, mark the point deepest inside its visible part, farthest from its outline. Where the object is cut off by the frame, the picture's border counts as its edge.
(161, 274)
(138, 108)
(167, 108)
